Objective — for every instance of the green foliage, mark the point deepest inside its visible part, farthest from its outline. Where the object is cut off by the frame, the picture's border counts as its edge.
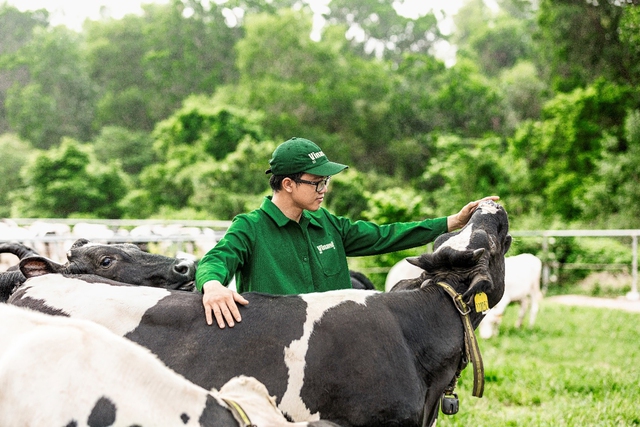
(396, 205)
(467, 103)
(133, 150)
(524, 93)
(462, 170)
(16, 29)
(346, 195)
(235, 184)
(381, 31)
(147, 65)
(502, 45)
(563, 149)
(58, 99)
(579, 42)
(207, 128)
(69, 181)
(15, 153)
(576, 367)
(613, 190)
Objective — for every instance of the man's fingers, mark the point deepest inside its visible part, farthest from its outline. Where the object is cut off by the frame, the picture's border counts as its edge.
(226, 314)
(207, 313)
(240, 299)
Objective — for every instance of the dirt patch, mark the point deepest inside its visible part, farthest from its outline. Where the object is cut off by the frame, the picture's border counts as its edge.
(620, 303)
(605, 282)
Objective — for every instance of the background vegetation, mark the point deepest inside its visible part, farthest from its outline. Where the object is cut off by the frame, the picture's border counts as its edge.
(174, 113)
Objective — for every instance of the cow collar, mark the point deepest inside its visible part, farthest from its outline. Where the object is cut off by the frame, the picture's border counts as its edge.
(239, 413)
(472, 351)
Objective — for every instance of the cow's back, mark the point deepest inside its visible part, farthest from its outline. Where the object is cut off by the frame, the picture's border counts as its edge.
(522, 276)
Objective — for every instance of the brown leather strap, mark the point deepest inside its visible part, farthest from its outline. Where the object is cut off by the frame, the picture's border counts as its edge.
(470, 342)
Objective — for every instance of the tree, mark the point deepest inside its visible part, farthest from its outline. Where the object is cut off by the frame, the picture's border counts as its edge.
(467, 103)
(579, 41)
(58, 99)
(614, 189)
(562, 150)
(463, 169)
(68, 181)
(524, 93)
(147, 65)
(15, 153)
(376, 29)
(197, 141)
(132, 150)
(16, 29)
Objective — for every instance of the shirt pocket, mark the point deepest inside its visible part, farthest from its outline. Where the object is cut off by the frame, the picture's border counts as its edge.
(330, 257)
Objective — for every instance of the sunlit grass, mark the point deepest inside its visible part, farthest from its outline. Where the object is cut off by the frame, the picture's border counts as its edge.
(578, 366)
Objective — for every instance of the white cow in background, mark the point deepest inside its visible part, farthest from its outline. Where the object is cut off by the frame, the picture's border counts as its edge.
(400, 271)
(522, 285)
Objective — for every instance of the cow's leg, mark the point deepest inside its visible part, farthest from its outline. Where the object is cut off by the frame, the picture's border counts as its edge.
(524, 306)
(534, 310)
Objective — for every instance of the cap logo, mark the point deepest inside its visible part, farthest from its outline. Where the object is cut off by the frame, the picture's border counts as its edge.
(315, 156)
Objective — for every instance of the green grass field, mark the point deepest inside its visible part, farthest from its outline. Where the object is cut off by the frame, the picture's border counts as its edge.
(578, 366)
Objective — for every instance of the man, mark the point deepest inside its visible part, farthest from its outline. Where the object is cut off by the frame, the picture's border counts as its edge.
(290, 245)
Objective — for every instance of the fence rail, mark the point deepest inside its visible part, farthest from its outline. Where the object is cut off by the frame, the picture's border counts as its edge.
(218, 229)
(548, 234)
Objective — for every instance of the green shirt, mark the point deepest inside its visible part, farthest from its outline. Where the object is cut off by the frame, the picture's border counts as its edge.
(273, 254)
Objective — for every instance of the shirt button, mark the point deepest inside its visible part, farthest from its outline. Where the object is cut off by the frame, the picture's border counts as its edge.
(305, 259)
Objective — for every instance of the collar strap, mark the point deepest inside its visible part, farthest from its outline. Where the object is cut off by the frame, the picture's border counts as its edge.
(238, 412)
(472, 351)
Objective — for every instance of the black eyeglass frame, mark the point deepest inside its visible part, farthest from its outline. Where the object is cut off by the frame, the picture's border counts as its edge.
(320, 185)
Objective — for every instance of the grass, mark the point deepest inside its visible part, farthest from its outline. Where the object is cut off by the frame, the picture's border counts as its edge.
(578, 366)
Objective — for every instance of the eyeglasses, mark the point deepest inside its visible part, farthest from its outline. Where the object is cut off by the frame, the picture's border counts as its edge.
(320, 185)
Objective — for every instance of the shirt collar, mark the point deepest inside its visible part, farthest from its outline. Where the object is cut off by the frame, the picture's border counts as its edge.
(281, 219)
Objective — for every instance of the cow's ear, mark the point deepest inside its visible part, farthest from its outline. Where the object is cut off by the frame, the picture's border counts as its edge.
(414, 260)
(37, 266)
(477, 254)
(79, 243)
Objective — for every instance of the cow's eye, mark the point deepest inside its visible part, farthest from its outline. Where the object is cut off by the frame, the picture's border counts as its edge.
(106, 262)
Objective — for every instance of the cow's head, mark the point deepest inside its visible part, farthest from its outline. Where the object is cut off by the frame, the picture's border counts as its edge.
(124, 263)
(471, 259)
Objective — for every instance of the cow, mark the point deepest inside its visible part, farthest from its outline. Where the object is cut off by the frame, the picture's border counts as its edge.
(522, 286)
(13, 277)
(401, 270)
(67, 372)
(308, 349)
(122, 262)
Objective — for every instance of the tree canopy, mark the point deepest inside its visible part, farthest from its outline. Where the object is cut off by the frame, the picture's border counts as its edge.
(175, 112)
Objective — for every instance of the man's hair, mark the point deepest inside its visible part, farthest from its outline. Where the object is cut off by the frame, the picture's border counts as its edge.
(276, 180)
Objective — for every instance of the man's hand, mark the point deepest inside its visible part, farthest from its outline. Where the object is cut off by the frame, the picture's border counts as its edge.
(461, 219)
(222, 302)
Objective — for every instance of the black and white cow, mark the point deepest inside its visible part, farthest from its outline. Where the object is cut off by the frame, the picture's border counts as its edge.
(57, 371)
(13, 277)
(309, 349)
(123, 262)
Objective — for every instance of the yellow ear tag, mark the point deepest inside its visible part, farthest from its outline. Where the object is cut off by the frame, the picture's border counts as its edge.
(482, 304)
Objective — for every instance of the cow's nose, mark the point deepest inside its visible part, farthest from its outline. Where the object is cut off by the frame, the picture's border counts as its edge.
(185, 267)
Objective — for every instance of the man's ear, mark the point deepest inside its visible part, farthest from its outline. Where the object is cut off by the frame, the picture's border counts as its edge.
(287, 185)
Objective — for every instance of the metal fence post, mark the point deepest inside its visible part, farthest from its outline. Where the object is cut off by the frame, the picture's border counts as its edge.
(633, 295)
(545, 263)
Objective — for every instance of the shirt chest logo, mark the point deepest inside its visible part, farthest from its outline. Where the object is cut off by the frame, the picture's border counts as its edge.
(322, 248)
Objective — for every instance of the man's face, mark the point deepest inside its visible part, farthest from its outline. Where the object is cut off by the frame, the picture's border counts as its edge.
(309, 191)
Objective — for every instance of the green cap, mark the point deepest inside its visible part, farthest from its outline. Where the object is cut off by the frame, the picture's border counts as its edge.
(301, 155)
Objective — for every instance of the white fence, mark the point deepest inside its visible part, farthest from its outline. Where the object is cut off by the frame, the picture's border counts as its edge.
(546, 235)
(197, 236)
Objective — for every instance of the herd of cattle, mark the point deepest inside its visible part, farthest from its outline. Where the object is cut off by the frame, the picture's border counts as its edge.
(116, 336)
